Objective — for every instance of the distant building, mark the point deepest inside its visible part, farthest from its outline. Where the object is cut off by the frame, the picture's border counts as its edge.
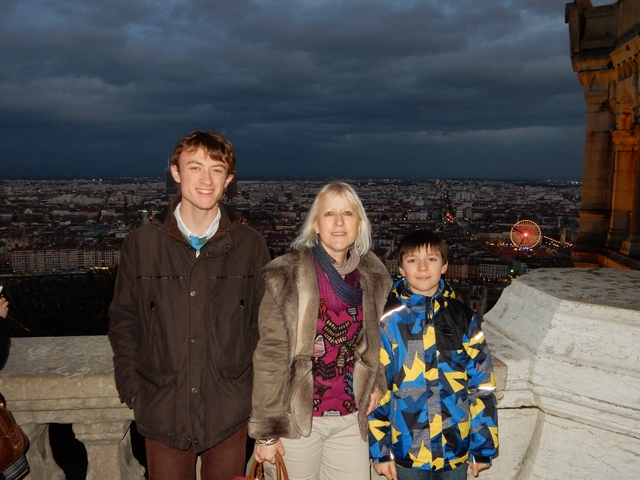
(605, 53)
(419, 215)
(457, 271)
(392, 266)
(17, 241)
(492, 271)
(62, 259)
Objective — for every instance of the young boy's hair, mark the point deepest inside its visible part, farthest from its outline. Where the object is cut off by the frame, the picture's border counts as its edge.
(422, 239)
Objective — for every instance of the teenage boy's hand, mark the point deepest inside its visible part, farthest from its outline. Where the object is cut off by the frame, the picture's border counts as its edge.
(476, 468)
(387, 470)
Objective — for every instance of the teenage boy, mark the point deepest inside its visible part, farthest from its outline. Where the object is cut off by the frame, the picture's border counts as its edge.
(439, 414)
(184, 321)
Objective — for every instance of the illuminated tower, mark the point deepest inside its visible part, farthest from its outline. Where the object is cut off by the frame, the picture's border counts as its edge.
(170, 185)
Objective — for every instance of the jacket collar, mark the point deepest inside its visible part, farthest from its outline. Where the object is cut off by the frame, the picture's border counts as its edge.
(166, 219)
(423, 308)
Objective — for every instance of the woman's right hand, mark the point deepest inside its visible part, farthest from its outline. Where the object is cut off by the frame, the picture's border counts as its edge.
(267, 453)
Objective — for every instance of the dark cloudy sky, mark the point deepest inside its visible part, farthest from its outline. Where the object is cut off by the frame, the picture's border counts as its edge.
(363, 88)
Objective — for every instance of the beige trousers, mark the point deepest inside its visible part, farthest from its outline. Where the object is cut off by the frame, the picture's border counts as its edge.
(333, 451)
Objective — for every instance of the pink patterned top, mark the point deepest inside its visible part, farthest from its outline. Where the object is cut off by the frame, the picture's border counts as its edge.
(338, 327)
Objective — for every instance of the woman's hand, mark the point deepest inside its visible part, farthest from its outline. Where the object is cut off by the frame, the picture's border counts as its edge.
(4, 307)
(267, 453)
(387, 470)
(374, 402)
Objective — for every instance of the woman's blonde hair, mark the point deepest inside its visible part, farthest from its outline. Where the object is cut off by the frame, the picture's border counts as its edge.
(307, 236)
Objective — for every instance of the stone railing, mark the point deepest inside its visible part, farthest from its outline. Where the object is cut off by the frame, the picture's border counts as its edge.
(566, 346)
(571, 406)
(70, 380)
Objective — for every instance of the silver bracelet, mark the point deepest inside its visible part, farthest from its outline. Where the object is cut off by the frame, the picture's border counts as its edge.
(267, 442)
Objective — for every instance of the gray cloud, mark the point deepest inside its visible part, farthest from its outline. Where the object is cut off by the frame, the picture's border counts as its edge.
(471, 88)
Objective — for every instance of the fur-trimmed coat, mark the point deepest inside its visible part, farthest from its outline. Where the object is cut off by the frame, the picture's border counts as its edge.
(283, 380)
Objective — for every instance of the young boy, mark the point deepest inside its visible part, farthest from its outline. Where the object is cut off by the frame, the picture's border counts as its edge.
(439, 413)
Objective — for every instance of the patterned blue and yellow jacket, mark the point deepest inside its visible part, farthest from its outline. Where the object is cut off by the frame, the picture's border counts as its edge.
(440, 407)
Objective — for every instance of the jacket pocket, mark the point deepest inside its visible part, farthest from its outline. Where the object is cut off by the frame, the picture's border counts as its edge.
(154, 405)
(230, 328)
(448, 337)
(300, 397)
(454, 360)
(244, 374)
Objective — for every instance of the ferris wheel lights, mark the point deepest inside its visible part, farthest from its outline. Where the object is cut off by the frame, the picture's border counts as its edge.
(525, 234)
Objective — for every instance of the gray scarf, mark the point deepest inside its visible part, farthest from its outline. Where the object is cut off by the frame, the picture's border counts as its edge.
(349, 295)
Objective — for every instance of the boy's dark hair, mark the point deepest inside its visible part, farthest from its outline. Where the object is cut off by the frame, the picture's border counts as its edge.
(214, 145)
(422, 239)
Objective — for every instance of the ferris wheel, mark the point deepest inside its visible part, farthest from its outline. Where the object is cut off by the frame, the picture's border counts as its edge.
(526, 234)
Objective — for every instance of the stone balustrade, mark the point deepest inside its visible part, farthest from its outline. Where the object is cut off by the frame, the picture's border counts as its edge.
(566, 346)
(70, 380)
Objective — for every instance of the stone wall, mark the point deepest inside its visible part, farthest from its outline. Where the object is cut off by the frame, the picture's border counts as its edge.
(570, 339)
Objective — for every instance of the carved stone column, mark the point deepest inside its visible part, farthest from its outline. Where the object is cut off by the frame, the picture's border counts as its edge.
(598, 170)
(39, 455)
(624, 144)
(631, 246)
(108, 447)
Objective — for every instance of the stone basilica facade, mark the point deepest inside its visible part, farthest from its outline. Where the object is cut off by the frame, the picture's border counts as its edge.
(605, 53)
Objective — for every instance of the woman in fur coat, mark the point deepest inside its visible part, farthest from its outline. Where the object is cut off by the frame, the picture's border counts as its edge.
(317, 371)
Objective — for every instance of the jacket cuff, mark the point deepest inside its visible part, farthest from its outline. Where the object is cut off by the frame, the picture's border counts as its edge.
(269, 426)
(384, 459)
(127, 399)
(381, 380)
(480, 459)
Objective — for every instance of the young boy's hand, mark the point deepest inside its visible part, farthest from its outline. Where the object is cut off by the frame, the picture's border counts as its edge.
(476, 468)
(386, 469)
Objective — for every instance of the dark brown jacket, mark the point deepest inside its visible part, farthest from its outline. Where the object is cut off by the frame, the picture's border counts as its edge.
(283, 381)
(184, 327)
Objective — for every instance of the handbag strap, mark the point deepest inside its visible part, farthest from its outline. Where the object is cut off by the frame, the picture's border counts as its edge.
(281, 468)
(256, 471)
